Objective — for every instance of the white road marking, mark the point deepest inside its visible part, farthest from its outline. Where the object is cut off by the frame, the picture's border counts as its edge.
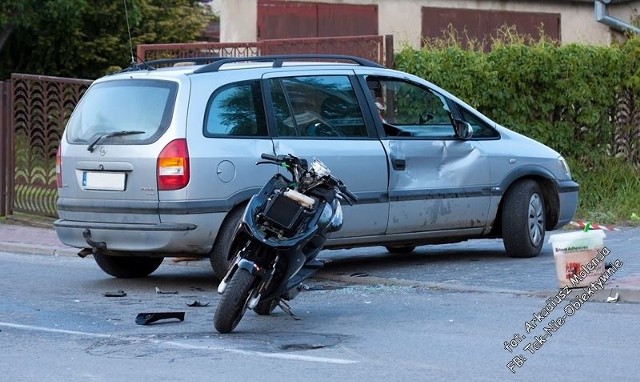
(287, 356)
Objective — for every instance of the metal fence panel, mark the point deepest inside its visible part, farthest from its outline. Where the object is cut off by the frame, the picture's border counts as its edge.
(373, 47)
(5, 152)
(41, 107)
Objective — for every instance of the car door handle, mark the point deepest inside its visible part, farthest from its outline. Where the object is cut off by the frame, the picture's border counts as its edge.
(399, 164)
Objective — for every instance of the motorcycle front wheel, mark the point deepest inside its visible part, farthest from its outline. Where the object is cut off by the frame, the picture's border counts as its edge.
(233, 303)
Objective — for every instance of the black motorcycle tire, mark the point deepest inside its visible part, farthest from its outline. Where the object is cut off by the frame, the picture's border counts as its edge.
(233, 303)
(265, 308)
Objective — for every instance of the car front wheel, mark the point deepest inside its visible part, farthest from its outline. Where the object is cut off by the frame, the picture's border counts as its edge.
(523, 220)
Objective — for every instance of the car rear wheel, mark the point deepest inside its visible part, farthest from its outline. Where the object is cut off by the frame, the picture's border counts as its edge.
(218, 257)
(523, 220)
(127, 267)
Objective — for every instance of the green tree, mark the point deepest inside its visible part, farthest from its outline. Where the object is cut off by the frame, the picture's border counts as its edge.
(16, 14)
(86, 39)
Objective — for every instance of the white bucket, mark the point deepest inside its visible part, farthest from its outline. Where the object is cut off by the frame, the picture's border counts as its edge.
(579, 257)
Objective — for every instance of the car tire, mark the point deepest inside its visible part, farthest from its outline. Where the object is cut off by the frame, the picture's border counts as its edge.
(523, 220)
(400, 248)
(127, 267)
(219, 255)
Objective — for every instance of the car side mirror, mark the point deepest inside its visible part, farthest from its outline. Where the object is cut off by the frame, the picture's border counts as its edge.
(463, 129)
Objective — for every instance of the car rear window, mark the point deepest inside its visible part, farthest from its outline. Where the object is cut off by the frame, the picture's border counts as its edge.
(144, 107)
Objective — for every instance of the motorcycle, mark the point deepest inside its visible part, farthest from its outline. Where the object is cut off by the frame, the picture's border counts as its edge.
(281, 232)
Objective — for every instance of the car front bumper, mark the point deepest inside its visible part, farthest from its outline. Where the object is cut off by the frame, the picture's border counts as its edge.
(568, 196)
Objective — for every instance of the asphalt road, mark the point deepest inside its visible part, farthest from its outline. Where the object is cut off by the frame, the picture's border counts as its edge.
(57, 325)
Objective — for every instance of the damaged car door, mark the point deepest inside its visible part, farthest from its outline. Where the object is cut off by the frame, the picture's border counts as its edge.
(439, 177)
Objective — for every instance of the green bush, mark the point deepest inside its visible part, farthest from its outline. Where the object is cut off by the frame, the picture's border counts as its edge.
(608, 190)
(578, 99)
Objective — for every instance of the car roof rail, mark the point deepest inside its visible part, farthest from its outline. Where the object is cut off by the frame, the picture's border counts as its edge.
(278, 60)
(152, 65)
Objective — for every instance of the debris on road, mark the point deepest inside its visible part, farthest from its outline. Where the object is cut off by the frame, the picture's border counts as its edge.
(150, 318)
(119, 293)
(159, 291)
(588, 225)
(197, 303)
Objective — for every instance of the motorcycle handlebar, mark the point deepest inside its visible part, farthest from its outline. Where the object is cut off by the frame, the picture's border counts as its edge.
(269, 157)
(292, 160)
(350, 195)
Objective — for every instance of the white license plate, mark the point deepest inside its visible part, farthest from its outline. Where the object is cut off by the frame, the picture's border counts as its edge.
(106, 181)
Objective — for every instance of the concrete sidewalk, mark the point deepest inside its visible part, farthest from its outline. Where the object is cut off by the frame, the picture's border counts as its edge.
(624, 244)
(17, 238)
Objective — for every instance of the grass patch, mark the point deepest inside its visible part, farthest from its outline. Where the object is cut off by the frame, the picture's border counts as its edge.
(609, 191)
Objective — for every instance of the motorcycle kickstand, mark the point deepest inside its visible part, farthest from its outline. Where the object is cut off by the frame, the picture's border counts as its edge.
(287, 309)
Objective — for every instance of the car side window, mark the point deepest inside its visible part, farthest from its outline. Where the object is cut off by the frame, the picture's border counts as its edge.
(480, 128)
(236, 110)
(410, 110)
(316, 106)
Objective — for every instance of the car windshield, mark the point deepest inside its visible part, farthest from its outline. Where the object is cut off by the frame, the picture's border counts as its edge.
(143, 106)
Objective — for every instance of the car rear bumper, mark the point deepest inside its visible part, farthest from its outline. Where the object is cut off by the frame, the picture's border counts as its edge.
(163, 237)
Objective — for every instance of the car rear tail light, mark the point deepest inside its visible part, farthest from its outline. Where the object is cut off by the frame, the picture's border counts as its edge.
(173, 166)
(58, 168)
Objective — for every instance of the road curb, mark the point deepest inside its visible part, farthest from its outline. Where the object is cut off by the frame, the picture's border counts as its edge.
(626, 295)
(35, 249)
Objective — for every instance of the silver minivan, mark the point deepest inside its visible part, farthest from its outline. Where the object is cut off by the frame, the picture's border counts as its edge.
(159, 163)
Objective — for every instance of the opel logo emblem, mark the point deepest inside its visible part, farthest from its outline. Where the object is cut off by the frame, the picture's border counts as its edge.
(103, 151)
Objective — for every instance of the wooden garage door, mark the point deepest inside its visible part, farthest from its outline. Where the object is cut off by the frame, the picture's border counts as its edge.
(290, 19)
(483, 24)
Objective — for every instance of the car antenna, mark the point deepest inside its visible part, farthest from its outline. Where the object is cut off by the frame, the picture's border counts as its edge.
(126, 14)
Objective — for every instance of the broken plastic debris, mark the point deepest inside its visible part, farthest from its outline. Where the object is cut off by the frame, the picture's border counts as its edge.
(613, 298)
(119, 293)
(197, 303)
(159, 291)
(150, 318)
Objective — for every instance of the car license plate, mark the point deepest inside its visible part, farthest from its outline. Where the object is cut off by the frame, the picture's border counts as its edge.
(106, 181)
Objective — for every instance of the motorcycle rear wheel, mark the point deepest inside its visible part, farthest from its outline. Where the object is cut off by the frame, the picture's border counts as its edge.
(233, 303)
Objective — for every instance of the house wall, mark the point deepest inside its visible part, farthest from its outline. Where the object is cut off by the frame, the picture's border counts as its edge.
(402, 18)
(239, 21)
